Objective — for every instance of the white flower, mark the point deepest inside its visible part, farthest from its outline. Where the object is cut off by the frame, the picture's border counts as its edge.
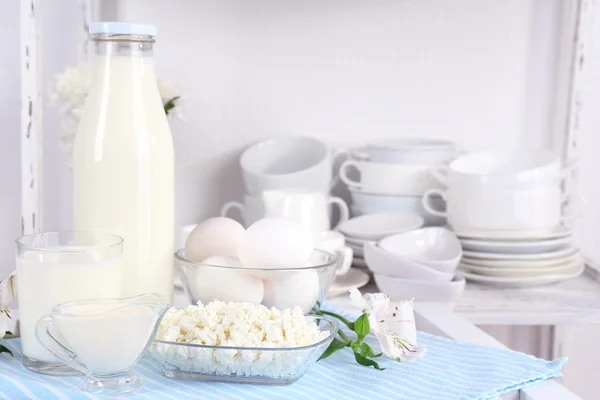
(4, 321)
(8, 290)
(70, 88)
(393, 325)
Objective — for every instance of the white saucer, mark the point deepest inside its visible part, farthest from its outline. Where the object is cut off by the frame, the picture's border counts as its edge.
(379, 225)
(357, 241)
(355, 278)
(558, 232)
(563, 268)
(522, 282)
(478, 262)
(523, 247)
(539, 256)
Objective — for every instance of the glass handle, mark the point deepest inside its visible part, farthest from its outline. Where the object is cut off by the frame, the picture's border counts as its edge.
(49, 341)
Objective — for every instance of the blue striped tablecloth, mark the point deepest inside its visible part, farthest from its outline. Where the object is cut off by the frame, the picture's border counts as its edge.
(450, 370)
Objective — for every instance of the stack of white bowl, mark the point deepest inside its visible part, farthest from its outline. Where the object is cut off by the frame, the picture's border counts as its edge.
(368, 229)
(417, 264)
(393, 175)
(507, 207)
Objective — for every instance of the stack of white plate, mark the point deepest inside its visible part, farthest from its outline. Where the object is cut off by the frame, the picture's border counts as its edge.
(519, 258)
(372, 227)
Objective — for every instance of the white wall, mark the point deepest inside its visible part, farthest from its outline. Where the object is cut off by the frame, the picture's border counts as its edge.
(345, 71)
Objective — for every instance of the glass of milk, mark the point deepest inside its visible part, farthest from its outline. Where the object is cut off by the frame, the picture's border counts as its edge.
(103, 338)
(57, 267)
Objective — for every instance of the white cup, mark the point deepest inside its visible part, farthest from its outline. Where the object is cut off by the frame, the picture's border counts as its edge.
(402, 180)
(519, 168)
(335, 243)
(309, 208)
(406, 151)
(501, 209)
(287, 162)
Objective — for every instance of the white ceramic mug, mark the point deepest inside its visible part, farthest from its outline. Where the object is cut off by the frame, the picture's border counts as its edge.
(406, 151)
(333, 242)
(501, 209)
(309, 208)
(288, 162)
(519, 168)
(403, 180)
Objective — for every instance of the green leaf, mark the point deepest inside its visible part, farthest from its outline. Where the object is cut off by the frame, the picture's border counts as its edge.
(5, 350)
(170, 104)
(366, 362)
(362, 327)
(335, 346)
(366, 351)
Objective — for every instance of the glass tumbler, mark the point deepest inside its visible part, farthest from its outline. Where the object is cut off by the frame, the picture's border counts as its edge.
(57, 267)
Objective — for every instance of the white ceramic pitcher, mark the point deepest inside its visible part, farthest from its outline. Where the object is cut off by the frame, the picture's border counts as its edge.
(309, 208)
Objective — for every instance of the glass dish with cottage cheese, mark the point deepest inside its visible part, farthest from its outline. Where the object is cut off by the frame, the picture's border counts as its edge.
(240, 342)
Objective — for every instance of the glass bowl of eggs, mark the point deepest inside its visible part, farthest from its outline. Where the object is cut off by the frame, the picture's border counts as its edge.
(273, 263)
(273, 287)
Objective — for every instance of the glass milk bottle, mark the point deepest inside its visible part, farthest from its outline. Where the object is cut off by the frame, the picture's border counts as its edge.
(123, 157)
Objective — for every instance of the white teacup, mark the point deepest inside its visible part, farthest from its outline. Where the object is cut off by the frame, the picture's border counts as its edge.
(407, 151)
(308, 208)
(287, 162)
(402, 180)
(333, 242)
(501, 209)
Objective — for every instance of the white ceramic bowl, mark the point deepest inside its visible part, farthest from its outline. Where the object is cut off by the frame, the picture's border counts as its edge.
(521, 167)
(379, 225)
(435, 247)
(369, 203)
(421, 291)
(383, 262)
(287, 162)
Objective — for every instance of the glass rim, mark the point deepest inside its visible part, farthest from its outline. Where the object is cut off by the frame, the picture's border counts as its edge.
(21, 243)
(332, 262)
(154, 300)
(333, 323)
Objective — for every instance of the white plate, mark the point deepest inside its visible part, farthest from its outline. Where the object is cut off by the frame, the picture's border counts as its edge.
(539, 256)
(353, 279)
(558, 232)
(525, 282)
(478, 262)
(357, 242)
(563, 268)
(380, 225)
(359, 262)
(522, 247)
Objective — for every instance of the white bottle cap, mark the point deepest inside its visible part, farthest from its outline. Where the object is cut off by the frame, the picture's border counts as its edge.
(122, 28)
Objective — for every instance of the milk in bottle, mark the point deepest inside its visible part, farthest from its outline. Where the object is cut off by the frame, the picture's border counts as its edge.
(123, 157)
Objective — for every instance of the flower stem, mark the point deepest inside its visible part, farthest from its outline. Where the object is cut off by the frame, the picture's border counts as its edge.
(344, 337)
(344, 320)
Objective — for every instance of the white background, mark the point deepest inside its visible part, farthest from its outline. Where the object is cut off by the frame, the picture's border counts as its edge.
(480, 72)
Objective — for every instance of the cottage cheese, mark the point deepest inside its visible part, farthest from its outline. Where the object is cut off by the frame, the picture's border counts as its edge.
(237, 325)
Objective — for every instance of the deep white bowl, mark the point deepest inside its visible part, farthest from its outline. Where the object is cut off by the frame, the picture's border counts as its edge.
(434, 247)
(383, 262)
(421, 291)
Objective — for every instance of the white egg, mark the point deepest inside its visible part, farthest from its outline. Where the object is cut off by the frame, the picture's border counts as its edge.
(214, 237)
(300, 289)
(275, 243)
(207, 283)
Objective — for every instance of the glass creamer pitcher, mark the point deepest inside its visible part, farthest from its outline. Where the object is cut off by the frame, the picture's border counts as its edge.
(103, 338)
